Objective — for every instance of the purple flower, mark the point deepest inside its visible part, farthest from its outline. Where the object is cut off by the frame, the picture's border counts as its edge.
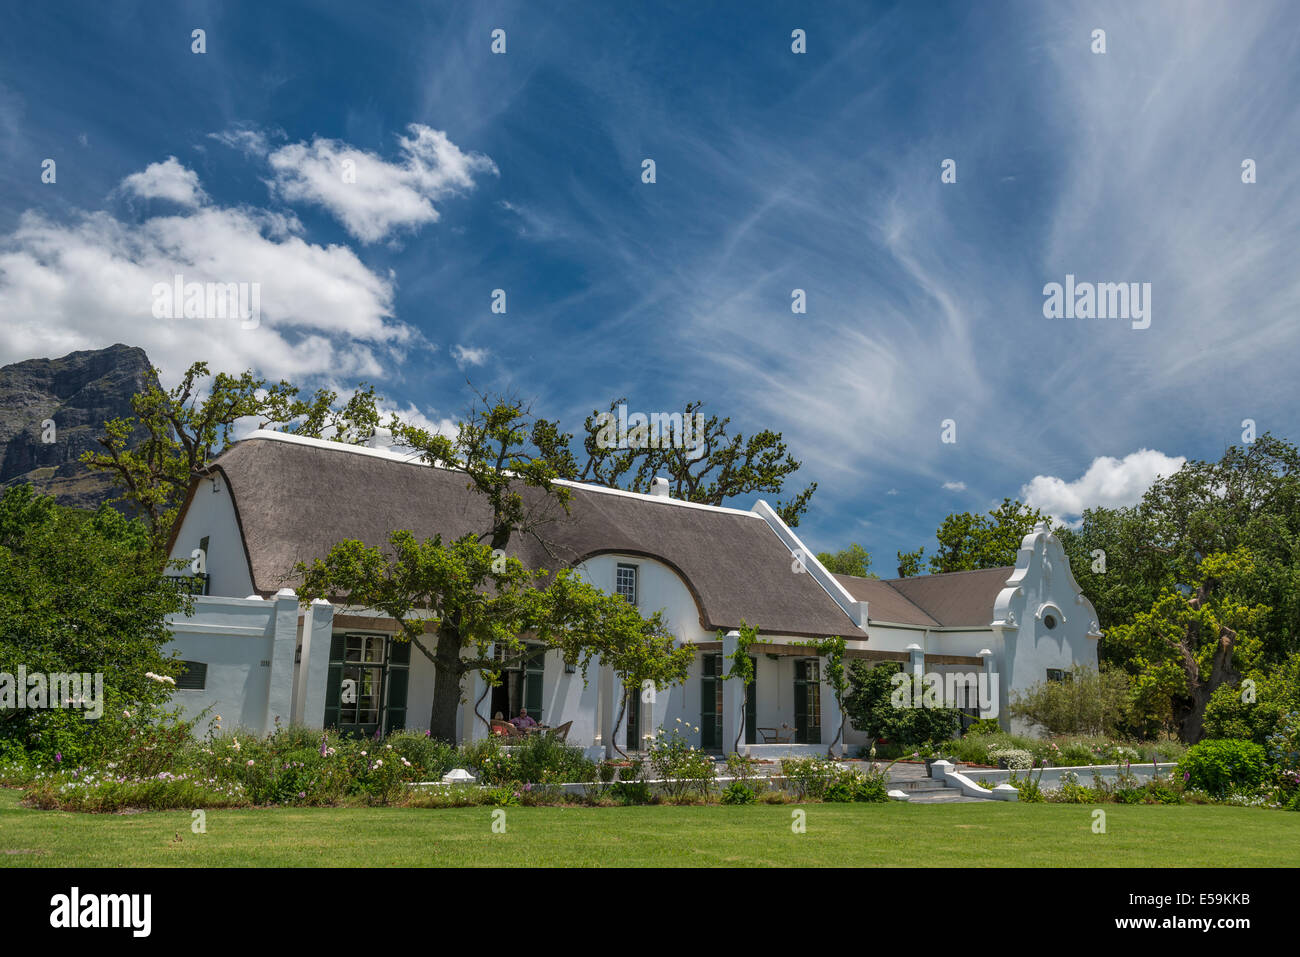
(58, 756)
(1187, 775)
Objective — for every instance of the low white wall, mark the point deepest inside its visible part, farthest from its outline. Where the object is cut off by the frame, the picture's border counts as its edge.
(236, 639)
(1051, 777)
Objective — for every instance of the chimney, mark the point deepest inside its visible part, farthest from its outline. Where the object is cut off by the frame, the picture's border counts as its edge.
(381, 439)
(659, 487)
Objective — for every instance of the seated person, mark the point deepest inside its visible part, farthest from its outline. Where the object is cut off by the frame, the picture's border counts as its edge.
(523, 720)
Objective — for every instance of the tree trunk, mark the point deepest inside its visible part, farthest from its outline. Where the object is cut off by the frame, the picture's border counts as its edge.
(446, 685)
(1191, 716)
(613, 734)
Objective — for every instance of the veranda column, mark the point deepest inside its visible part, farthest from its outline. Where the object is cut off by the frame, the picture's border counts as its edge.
(831, 716)
(733, 695)
(472, 729)
(284, 648)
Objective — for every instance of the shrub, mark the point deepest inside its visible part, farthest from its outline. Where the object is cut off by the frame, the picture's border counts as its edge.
(869, 706)
(809, 777)
(1224, 766)
(432, 756)
(738, 793)
(630, 792)
(1018, 759)
(680, 766)
(1091, 702)
(1284, 755)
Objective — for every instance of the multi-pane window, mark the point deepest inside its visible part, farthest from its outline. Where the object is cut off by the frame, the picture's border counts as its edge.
(1059, 674)
(625, 582)
(367, 683)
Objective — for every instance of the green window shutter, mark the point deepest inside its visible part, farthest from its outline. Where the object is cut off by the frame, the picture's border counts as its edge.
(395, 710)
(534, 672)
(334, 681)
(710, 719)
(633, 720)
(751, 706)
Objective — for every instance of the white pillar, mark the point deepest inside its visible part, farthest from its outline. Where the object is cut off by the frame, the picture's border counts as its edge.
(473, 729)
(314, 670)
(284, 648)
(733, 695)
(831, 715)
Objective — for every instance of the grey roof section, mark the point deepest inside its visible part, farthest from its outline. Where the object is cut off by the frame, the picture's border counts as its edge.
(296, 500)
(957, 599)
(885, 603)
(949, 600)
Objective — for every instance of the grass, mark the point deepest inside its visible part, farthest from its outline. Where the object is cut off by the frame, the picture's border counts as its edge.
(845, 835)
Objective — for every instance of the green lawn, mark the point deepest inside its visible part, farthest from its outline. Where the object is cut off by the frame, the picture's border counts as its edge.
(963, 835)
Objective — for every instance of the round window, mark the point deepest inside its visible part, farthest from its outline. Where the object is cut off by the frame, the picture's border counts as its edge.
(1049, 621)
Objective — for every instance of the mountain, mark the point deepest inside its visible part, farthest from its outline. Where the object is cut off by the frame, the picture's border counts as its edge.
(78, 393)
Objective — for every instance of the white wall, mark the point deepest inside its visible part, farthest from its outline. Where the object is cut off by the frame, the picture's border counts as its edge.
(235, 638)
(1042, 585)
(211, 513)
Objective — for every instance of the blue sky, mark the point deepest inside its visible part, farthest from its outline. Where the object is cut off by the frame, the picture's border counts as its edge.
(775, 171)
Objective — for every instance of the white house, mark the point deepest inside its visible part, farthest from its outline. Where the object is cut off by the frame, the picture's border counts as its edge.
(256, 653)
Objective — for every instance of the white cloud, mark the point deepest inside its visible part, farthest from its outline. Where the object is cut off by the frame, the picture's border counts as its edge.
(167, 180)
(1108, 482)
(376, 198)
(89, 283)
(247, 141)
(955, 486)
(468, 356)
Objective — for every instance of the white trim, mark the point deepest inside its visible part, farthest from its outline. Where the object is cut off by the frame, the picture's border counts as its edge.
(854, 609)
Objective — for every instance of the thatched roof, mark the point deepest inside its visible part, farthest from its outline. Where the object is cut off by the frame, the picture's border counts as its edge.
(295, 499)
(950, 600)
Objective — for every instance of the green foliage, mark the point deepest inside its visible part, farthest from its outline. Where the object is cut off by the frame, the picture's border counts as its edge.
(185, 427)
(730, 465)
(809, 777)
(680, 766)
(853, 560)
(738, 792)
(1223, 766)
(969, 541)
(1091, 702)
(81, 594)
(1254, 708)
(1028, 786)
(871, 707)
(1182, 651)
(909, 563)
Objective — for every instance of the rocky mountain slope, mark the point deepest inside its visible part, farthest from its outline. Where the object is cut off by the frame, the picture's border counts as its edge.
(79, 392)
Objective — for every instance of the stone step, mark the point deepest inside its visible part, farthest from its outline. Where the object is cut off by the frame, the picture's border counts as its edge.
(946, 796)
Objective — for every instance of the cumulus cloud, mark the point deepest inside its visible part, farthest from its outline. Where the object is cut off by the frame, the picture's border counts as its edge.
(370, 196)
(167, 180)
(90, 282)
(955, 486)
(1108, 482)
